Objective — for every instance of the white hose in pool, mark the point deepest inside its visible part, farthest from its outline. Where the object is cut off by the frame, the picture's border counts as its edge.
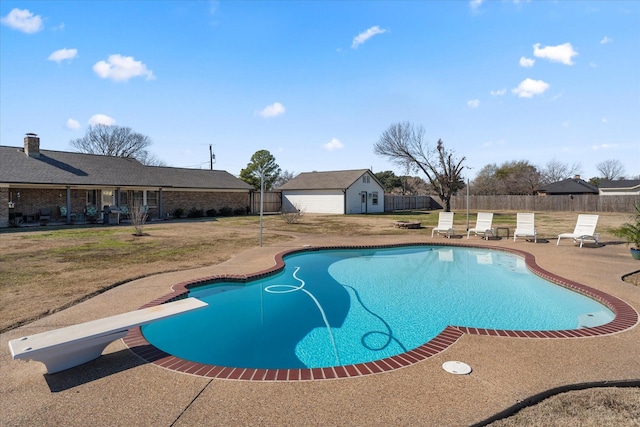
(284, 289)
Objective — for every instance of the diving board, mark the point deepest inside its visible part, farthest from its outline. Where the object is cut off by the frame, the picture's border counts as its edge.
(74, 345)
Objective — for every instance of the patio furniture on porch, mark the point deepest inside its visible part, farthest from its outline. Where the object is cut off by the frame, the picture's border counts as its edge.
(63, 214)
(44, 216)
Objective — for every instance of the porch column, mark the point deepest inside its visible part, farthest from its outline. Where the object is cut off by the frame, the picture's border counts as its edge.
(160, 214)
(68, 204)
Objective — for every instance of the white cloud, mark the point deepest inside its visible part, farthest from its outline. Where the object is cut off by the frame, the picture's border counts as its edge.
(475, 4)
(562, 53)
(604, 146)
(101, 119)
(122, 68)
(62, 54)
(606, 40)
(366, 35)
(334, 144)
(73, 124)
(498, 92)
(273, 110)
(604, 120)
(214, 6)
(23, 20)
(528, 88)
(527, 62)
(474, 103)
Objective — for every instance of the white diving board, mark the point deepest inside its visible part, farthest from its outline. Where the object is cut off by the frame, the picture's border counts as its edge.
(74, 345)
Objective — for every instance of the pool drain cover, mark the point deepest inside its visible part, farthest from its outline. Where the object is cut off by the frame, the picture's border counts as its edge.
(455, 367)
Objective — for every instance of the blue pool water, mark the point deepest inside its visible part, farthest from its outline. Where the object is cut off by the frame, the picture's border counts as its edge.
(348, 306)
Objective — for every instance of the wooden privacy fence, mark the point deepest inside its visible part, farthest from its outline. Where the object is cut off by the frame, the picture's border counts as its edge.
(576, 203)
(394, 202)
(272, 201)
(561, 203)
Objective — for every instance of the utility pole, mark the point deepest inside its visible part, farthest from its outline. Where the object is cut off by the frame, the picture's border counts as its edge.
(212, 157)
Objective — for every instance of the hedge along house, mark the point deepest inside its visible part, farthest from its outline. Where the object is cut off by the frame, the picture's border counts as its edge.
(71, 185)
(337, 192)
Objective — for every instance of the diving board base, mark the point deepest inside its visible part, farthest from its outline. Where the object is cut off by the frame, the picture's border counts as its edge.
(74, 345)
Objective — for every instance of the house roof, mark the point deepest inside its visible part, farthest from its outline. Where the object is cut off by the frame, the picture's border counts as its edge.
(569, 186)
(621, 184)
(66, 168)
(330, 180)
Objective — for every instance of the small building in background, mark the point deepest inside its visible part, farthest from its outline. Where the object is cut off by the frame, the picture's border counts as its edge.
(334, 192)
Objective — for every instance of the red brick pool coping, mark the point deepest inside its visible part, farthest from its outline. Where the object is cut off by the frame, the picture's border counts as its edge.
(625, 318)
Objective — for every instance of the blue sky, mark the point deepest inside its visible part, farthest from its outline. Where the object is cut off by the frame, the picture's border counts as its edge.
(316, 83)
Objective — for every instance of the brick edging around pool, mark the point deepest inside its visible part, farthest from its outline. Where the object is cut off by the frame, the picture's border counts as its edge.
(625, 318)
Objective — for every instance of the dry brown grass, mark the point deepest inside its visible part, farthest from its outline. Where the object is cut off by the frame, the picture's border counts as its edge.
(45, 269)
(597, 407)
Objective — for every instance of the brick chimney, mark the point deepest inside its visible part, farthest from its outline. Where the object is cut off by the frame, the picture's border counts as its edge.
(32, 145)
(576, 177)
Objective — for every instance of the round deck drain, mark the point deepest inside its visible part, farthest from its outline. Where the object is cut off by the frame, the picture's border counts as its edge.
(455, 367)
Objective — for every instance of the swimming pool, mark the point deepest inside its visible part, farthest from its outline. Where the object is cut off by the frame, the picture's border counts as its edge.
(339, 307)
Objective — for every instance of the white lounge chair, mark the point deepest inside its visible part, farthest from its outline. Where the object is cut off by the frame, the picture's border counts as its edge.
(525, 226)
(483, 225)
(585, 230)
(445, 224)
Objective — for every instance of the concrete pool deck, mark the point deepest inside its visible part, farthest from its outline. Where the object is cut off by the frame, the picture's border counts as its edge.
(119, 388)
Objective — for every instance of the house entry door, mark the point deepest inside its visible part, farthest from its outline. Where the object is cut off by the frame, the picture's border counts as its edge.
(107, 198)
(363, 202)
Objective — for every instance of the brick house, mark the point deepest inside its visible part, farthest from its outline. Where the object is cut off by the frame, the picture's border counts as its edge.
(71, 185)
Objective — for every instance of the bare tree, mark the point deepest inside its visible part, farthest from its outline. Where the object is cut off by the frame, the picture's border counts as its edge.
(283, 178)
(113, 141)
(611, 169)
(150, 159)
(404, 145)
(517, 177)
(485, 183)
(138, 215)
(555, 171)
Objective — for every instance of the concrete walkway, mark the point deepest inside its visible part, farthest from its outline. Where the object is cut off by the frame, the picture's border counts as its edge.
(120, 389)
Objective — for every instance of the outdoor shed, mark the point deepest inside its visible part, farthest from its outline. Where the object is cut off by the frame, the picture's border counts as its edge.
(334, 192)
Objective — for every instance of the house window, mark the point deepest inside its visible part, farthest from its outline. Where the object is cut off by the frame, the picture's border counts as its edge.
(374, 199)
(92, 198)
(152, 199)
(124, 198)
(366, 179)
(146, 198)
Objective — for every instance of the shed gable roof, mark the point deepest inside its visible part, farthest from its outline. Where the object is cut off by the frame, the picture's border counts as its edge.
(329, 180)
(67, 168)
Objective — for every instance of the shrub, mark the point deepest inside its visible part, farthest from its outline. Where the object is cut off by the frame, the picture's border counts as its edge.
(240, 211)
(292, 215)
(178, 213)
(226, 211)
(211, 212)
(195, 213)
